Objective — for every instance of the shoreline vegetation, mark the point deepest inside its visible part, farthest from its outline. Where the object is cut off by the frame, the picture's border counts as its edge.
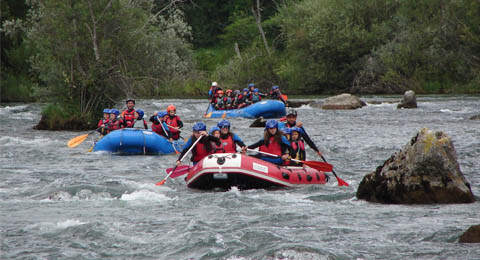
(83, 56)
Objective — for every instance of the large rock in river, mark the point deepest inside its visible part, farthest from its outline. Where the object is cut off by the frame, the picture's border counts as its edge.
(409, 100)
(472, 235)
(425, 171)
(343, 101)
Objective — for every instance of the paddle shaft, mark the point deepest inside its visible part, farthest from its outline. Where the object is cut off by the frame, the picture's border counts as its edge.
(181, 159)
(270, 154)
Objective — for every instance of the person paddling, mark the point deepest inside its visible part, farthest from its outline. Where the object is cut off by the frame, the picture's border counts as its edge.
(128, 115)
(229, 139)
(273, 142)
(298, 146)
(103, 123)
(174, 122)
(158, 124)
(276, 94)
(214, 134)
(292, 122)
(202, 148)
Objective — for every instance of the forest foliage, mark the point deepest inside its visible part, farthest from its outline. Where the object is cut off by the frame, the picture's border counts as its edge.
(86, 54)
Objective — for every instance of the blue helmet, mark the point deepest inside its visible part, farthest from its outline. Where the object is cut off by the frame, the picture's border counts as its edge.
(213, 129)
(245, 90)
(296, 129)
(161, 114)
(287, 130)
(106, 111)
(255, 90)
(224, 124)
(114, 111)
(140, 114)
(199, 126)
(251, 85)
(275, 87)
(271, 123)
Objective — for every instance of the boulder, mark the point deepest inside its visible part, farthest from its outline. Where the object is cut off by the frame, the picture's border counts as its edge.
(317, 104)
(343, 101)
(297, 103)
(477, 117)
(472, 235)
(259, 122)
(409, 100)
(424, 171)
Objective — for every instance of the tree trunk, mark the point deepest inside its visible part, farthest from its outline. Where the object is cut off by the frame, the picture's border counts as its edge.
(258, 20)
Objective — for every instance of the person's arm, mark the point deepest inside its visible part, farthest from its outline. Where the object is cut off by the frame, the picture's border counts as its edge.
(185, 149)
(286, 147)
(238, 140)
(154, 120)
(309, 141)
(180, 123)
(256, 145)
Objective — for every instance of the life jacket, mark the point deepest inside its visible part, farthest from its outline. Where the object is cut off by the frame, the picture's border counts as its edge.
(103, 121)
(299, 148)
(273, 147)
(220, 102)
(218, 148)
(199, 152)
(228, 144)
(174, 133)
(114, 125)
(157, 128)
(129, 117)
(255, 98)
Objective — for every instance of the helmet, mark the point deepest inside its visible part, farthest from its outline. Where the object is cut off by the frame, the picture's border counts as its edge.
(140, 114)
(296, 129)
(199, 126)
(245, 90)
(161, 114)
(271, 123)
(251, 85)
(220, 92)
(287, 130)
(275, 87)
(106, 111)
(214, 83)
(291, 111)
(114, 111)
(128, 100)
(171, 107)
(255, 90)
(224, 123)
(229, 91)
(236, 92)
(213, 129)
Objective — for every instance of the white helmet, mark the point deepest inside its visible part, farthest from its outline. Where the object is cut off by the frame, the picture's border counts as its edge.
(214, 84)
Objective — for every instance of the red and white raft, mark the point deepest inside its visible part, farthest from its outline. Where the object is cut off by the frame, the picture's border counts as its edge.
(226, 170)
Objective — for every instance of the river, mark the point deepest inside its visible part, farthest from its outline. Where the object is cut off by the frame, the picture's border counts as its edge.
(64, 203)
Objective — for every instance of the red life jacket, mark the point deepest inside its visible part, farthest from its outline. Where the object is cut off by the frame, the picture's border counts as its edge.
(175, 134)
(299, 148)
(114, 125)
(228, 144)
(129, 117)
(103, 121)
(273, 147)
(218, 148)
(157, 128)
(199, 152)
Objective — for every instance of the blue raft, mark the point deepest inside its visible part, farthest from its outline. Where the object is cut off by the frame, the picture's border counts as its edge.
(132, 141)
(265, 109)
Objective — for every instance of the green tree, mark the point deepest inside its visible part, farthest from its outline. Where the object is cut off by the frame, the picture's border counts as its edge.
(91, 52)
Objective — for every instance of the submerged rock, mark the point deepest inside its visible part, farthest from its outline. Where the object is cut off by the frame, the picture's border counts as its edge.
(259, 122)
(296, 103)
(425, 171)
(343, 101)
(477, 117)
(472, 235)
(409, 100)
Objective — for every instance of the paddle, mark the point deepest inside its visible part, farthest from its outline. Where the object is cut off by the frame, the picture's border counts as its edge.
(321, 166)
(166, 135)
(93, 145)
(340, 181)
(74, 142)
(181, 170)
(224, 114)
(160, 183)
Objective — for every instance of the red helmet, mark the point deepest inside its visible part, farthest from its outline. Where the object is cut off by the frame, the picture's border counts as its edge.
(229, 91)
(171, 108)
(220, 92)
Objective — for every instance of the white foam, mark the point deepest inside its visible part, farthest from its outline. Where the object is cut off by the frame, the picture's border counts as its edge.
(144, 195)
(14, 109)
(305, 106)
(52, 226)
(10, 141)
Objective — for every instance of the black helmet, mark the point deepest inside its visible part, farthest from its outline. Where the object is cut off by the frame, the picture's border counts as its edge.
(128, 100)
(291, 111)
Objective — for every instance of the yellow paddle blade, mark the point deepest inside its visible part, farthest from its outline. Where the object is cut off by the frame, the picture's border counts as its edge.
(209, 115)
(77, 140)
(224, 114)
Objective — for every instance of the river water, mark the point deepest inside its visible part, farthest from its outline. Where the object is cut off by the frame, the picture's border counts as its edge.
(64, 203)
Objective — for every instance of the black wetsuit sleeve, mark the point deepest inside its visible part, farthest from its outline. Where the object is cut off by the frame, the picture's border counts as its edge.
(255, 145)
(285, 147)
(308, 140)
(154, 120)
(240, 143)
(214, 139)
(180, 123)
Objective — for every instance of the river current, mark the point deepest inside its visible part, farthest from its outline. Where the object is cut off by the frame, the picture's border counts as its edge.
(64, 203)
